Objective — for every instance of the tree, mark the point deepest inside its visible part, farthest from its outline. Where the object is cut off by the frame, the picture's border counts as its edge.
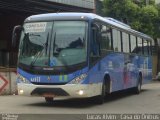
(124, 10)
(149, 16)
(142, 17)
(157, 22)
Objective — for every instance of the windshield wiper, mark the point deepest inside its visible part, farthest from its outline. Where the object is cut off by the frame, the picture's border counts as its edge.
(54, 43)
(46, 44)
(32, 34)
(39, 54)
(50, 48)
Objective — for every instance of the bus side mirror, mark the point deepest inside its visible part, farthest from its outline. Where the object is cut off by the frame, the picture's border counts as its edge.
(17, 29)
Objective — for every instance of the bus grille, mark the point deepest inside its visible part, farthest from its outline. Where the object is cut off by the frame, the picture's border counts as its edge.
(35, 83)
(54, 91)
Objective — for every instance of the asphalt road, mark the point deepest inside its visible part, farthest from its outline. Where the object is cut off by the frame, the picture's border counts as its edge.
(148, 101)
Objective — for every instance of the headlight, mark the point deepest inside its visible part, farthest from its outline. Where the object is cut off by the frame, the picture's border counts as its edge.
(22, 79)
(78, 79)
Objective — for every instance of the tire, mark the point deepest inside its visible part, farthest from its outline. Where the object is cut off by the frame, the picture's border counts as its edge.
(49, 99)
(100, 98)
(137, 89)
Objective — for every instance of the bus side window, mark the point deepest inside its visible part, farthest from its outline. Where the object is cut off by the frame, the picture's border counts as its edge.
(145, 47)
(140, 46)
(105, 42)
(133, 44)
(125, 40)
(116, 40)
(150, 47)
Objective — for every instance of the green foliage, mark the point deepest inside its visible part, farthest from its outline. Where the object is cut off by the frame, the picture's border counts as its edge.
(115, 8)
(143, 3)
(152, 2)
(149, 15)
(139, 14)
(123, 10)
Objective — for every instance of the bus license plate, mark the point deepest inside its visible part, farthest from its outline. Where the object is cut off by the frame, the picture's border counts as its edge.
(48, 95)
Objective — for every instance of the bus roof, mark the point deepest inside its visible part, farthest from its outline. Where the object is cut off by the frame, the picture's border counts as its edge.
(85, 16)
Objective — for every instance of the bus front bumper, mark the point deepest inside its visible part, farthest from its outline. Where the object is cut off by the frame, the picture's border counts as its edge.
(60, 91)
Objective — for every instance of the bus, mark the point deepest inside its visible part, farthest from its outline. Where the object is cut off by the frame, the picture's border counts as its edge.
(80, 55)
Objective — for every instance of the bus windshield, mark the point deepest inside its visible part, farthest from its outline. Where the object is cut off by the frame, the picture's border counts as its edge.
(58, 43)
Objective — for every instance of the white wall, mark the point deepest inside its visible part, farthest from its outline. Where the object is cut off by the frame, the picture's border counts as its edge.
(157, 1)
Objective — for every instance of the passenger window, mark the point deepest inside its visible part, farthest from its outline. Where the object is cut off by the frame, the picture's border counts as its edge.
(133, 44)
(145, 47)
(150, 48)
(140, 46)
(116, 40)
(105, 42)
(125, 38)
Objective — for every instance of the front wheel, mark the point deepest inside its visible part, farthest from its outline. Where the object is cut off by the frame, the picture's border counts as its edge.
(100, 98)
(49, 99)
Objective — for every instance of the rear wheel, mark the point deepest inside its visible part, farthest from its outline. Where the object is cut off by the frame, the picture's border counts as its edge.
(49, 99)
(137, 89)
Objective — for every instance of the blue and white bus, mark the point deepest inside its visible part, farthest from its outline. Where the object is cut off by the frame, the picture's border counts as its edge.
(80, 55)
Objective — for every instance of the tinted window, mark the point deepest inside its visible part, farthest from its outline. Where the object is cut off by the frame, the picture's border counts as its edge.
(145, 47)
(140, 46)
(105, 38)
(116, 40)
(125, 38)
(133, 44)
(150, 47)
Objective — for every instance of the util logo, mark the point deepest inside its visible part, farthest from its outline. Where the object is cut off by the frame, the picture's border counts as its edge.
(35, 79)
